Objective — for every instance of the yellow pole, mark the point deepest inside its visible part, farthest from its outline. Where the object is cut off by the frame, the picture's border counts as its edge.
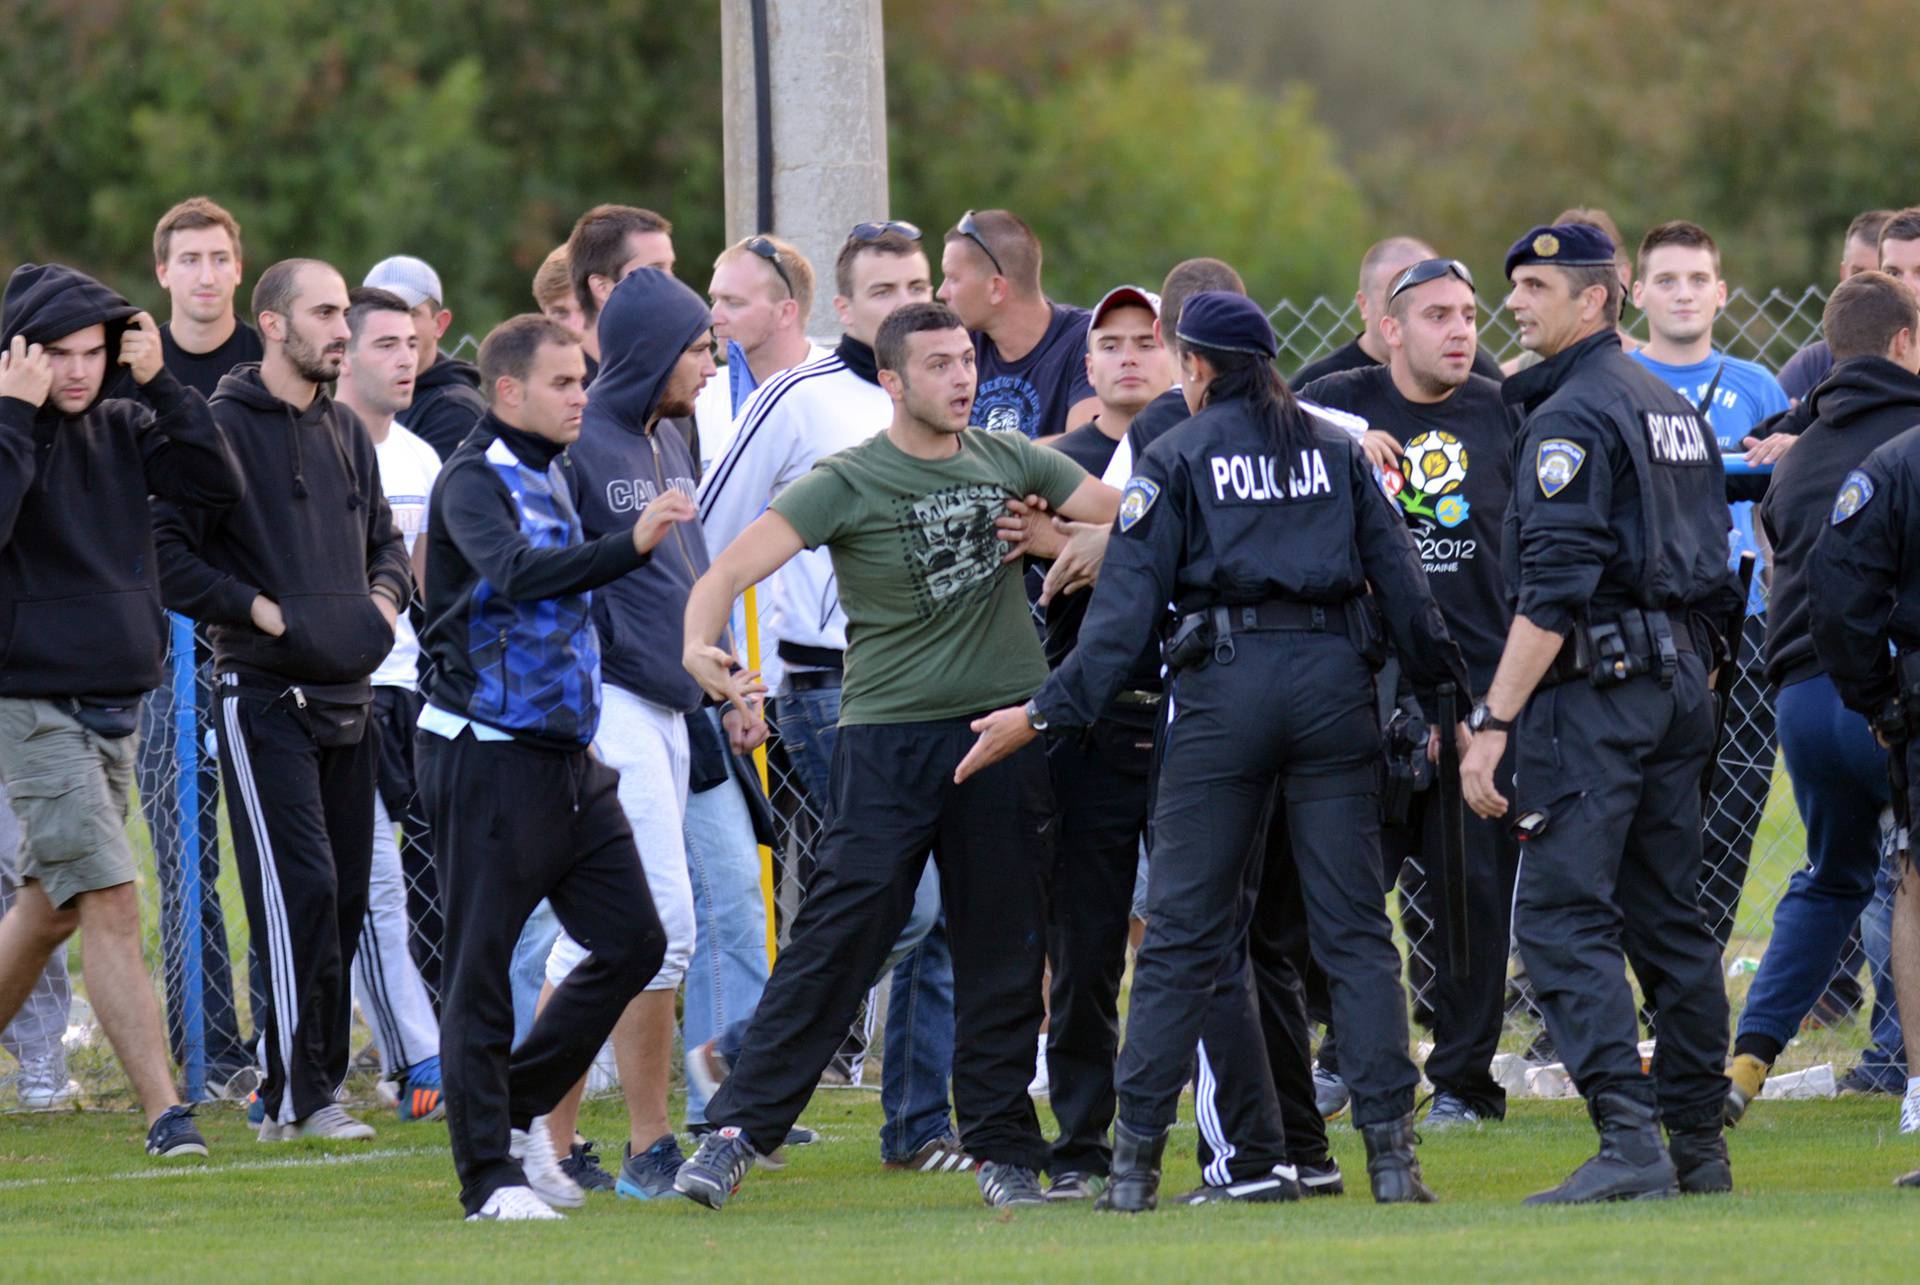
(760, 765)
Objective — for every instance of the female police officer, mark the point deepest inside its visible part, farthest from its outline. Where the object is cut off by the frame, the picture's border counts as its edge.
(1262, 524)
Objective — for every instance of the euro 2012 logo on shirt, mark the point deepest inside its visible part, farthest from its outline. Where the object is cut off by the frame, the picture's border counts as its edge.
(1433, 468)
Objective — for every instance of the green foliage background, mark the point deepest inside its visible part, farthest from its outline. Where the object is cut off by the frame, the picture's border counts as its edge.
(1282, 135)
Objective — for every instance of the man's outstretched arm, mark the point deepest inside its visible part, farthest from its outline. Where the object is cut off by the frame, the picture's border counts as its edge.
(762, 549)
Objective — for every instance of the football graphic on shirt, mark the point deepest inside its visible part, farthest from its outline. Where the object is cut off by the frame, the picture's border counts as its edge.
(1433, 467)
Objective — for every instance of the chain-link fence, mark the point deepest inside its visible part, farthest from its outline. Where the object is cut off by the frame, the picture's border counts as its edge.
(197, 942)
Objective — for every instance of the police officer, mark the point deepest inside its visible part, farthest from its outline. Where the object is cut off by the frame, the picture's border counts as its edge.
(1616, 552)
(1264, 527)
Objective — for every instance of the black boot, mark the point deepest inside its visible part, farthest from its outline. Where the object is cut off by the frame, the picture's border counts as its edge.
(1630, 1165)
(1392, 1167)
(1700, 1158)
(1134, 1187)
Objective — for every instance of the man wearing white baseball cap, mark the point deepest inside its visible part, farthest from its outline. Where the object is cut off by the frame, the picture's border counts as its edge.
(446, 395)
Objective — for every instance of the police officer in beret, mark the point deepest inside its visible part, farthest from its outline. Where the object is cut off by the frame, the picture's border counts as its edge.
(1264, 526)
(1616, 552)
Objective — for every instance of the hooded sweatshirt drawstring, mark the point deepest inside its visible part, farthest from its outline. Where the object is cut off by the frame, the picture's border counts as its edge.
(340, 452)
(299, 460)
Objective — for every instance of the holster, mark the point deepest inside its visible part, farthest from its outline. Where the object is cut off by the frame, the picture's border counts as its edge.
(1609, 652)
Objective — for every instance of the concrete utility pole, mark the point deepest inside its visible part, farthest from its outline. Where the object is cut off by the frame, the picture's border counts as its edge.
(821, 101)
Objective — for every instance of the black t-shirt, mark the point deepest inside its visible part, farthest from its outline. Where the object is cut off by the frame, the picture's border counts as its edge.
(1092, 450)
(1453, 485)
(204, 370)
(1034, 394)
(1351, 356)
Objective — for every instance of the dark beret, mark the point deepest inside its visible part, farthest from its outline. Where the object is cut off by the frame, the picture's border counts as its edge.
(1563, 245)
(1228, 322)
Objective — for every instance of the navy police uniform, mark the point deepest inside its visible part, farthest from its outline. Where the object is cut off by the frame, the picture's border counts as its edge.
(1269, 555)
(1617, 539)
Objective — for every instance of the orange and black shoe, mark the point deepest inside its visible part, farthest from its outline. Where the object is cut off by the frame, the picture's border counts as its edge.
(420, 1092)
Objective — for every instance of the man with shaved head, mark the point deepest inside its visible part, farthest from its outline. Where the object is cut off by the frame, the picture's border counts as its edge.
(1380, 266)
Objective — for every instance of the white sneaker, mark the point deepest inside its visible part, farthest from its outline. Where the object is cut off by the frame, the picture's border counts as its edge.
(1039, 1087)
(533, 1148)
(274, 1131)
(44, 1085)
(1910, 1112)
(515, 1205)
(334, 1124)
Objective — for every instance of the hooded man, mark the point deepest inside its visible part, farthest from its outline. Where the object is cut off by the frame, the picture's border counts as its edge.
(83, 636)
(655, 354)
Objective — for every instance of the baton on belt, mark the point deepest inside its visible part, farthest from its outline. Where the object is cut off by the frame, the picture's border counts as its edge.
(1729, 675)
(1453, 830)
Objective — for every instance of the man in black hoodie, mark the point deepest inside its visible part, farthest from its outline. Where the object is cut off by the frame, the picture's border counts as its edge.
(446, 393)
(300, 586)
(80, 607)
(1870, 396)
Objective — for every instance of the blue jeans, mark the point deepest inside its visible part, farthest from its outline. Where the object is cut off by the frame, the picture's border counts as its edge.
(1840, 785)
(528, 972)
(1886, 1060)
(729, 966)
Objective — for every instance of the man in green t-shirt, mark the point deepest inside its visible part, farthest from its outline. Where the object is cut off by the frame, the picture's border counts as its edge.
(938, 632)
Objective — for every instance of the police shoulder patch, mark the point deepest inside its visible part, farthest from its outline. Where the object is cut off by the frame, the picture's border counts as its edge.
(1136, 500)
(1854, 494)
(1557, 464)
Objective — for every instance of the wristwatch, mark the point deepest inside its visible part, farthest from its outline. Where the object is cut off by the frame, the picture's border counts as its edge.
(1035, 719)
(1482, 720)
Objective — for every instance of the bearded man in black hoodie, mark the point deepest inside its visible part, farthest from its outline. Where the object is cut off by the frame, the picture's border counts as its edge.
(300, 586)
(83, 636)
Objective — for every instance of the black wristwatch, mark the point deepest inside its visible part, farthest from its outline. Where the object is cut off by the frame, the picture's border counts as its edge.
(1482, 720)
(1035, 719)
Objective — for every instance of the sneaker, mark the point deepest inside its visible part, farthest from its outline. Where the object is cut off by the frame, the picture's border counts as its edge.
(266, 1130)
(706, 1069)
(333, 1124)
(1910, 1111)
(715, 1170)
(515, 1205)
(584, 1167)
(1003, 1185)
(44, 1085)
(420, 1092)
(651, 1173)
(1450, 1112)
(533, 1148)
(1746, 1075)
(942, 1155)
(1282, 1184)
(1038, 1087)
(801, 1136)
(173, 1135)
(1321, 1178)
(1074, 1185)
(1881, 1078)
(1908, 1180)
(1329, 1093)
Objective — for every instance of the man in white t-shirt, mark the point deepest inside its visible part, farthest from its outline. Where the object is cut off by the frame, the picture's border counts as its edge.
(376, 382)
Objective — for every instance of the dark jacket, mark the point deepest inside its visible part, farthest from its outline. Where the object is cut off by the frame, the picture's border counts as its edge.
(314, 535)
(625, 459)
(79, 593)
(447, 403)
(1864, 577)
(508, 638)
(1862, 403)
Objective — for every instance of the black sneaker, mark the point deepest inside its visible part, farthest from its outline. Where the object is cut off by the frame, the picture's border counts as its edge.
(715, 1171)
(1268, 1188)
(1003, 1185)
(584, 1167)
(1321, 1178)
(1074, 1185)
(173, 1135)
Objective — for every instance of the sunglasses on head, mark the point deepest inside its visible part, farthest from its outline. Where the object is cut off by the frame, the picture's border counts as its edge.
(771, 253)
(874, 231)
(1429, 270)
(967, 228)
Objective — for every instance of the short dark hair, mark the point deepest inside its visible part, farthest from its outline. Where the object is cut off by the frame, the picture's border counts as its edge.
(194, 212)
(1607, 275)
(1868, 225)
(362, 300)
(1865, 312)
(598, 245)
(1188, 278)
(1014, 244)
(897, 244)
(890, 345)
(509, 348)
(1677, 232)
(277, 287)
(1902, 225)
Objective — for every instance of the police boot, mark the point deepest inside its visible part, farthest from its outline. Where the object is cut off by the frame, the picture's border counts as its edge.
(1392, 1167)
(1700, 1156)
(1134, 1187)
(1630, 1165)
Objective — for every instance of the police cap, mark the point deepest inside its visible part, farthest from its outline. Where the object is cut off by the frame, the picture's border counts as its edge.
(1562, 245)
(1228, 323)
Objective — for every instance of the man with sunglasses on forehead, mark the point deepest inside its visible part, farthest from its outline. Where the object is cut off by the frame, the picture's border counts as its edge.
(1384, 263)
(1443, 441)
(1031, 350)
(761, 294)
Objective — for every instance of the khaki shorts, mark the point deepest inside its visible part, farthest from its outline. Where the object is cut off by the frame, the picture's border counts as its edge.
(69, 787)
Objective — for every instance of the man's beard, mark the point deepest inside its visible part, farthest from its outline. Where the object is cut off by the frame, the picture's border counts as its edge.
(311, 362)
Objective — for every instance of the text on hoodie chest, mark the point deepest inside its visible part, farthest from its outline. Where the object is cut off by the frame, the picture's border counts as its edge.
(632, 494)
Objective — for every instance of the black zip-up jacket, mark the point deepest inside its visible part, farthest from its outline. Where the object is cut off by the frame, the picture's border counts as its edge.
(79, 594)
(1863, 403)
(314, 535)
(447, 403)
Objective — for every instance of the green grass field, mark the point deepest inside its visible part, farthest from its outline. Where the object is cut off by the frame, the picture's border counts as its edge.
(79, 1201)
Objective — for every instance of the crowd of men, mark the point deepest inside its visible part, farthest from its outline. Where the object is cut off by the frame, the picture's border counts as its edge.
(472, 654)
